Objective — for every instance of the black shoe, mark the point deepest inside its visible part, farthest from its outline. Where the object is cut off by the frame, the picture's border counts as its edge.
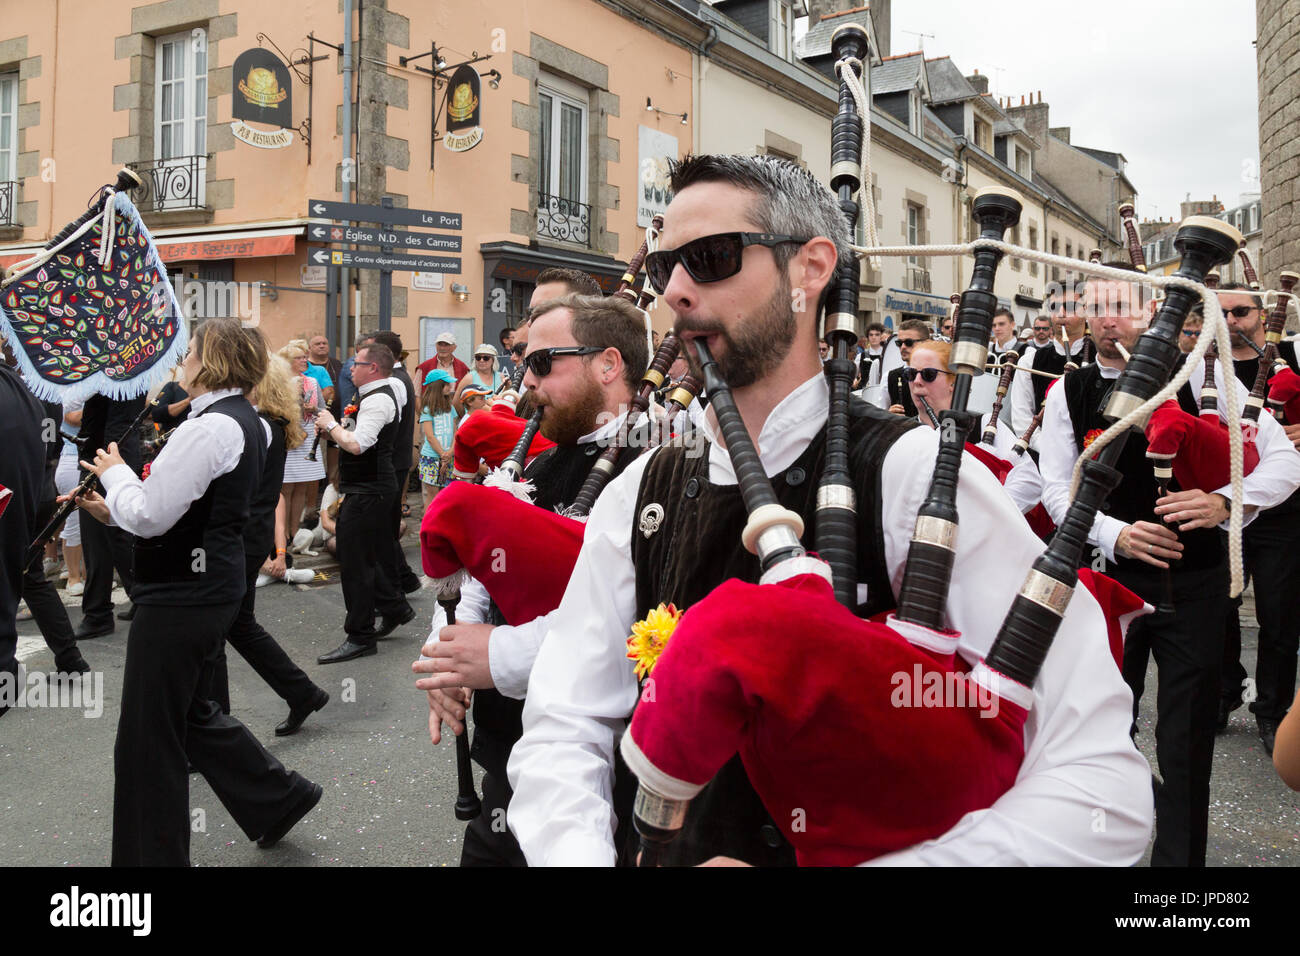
(297, 715)
(1267, 732)
(387, 625)
(347, 651)
(1226, 706)
(410, 583)
(300, 810)
(128, 614)
(86, 631)
(73, 665)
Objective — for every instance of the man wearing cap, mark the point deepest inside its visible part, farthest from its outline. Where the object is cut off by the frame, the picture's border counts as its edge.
(445, 357)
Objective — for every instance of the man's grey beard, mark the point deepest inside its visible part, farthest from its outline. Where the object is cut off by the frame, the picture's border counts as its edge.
(757, 346)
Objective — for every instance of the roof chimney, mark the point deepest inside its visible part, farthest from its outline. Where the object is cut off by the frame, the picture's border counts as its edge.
(979, 82)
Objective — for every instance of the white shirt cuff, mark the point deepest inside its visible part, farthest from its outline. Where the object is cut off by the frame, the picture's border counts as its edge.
(1107, 531)
(118, 475)
(510, 660)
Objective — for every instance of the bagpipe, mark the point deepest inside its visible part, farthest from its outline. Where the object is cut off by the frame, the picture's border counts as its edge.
(818, 732)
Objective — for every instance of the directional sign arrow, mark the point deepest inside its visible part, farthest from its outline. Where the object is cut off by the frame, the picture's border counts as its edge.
(372, 236)
(355, 212)
(320, 257)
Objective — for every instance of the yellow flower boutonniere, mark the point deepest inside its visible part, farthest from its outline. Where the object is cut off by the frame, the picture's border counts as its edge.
(650, 637)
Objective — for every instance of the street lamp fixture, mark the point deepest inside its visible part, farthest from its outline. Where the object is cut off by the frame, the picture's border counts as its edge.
(460, 291)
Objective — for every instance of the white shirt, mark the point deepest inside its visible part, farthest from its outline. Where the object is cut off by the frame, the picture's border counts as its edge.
(373, 416)
(1024, 484)
(201, 449)
(1274, 479)
(512, 649)
(1022, 387)
(1079, 756)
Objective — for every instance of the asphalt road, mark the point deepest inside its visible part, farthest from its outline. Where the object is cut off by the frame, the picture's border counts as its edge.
(389, 793)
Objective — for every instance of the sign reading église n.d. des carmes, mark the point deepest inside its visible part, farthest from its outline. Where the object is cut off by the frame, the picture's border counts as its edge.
(262, 94)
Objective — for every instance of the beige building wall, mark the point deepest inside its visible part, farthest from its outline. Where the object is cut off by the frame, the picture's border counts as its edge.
(88, 129)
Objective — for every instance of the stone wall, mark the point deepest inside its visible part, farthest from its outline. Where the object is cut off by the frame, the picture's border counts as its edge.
(1278, 64)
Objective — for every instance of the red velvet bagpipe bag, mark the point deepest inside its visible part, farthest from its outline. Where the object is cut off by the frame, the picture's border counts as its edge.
(1284, 390)
(1199, 446)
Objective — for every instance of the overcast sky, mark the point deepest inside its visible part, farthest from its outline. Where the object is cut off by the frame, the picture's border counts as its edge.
(1171, 85)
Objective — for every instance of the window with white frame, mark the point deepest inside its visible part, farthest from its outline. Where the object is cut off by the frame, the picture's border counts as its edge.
(562, 160)
(1033, 244)
(180, 119)
(913, 229)
(780, 30)
(8, 127)
(1254, 217)
(1022, 161)
(917, 126)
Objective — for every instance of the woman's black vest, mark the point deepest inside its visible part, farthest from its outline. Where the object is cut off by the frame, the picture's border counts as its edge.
(259, 533)
(200, 559)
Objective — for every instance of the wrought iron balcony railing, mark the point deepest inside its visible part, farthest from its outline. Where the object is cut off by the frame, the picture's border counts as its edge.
(8, 204)
(171, 184)
(565, 220)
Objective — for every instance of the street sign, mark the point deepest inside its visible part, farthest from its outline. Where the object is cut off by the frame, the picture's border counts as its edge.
(379, 260)
(328, 209)
(313, 277)
(371, 236)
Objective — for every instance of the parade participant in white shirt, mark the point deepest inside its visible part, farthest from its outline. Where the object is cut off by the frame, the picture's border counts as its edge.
(1140, 537)
(1023, 483)
(584, 400)
(367, 483)
(1004, 334)
(188, 516)
(583, 688)
(1028, 391)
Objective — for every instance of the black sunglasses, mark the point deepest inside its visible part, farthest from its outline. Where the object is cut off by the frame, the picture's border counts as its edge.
(709, 258)
(908, 342)
(928, 375)
(539, 362)
(1240, 312)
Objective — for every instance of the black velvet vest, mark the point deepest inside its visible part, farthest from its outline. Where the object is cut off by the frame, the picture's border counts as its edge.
(371, 472)
(697, 547)
(259, 532)
(200, 559)
(1086, 393)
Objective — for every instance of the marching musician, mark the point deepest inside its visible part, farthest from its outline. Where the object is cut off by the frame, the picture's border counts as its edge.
(1029, 391)
(1140, 537)
(188, 516)
(403, 456)
(928, 378)
(666, 530)
(1004, 335)
(365, 536)
(584, 398)
(1271, 549)
(910, 332)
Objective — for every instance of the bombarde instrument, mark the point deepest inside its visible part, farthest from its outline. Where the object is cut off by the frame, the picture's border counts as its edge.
(1129, 224)
(1009, 363)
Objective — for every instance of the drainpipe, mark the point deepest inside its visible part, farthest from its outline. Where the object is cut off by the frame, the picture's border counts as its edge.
(349, 164)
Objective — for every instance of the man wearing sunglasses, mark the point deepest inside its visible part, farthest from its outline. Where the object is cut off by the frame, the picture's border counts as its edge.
(1157, 545)
(1066, 321)
(667, 529)
(1271, 548)
(586, 355)
(910, 332)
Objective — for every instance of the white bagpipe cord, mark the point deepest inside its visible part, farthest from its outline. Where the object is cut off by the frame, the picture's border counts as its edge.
(866, 192)
(651, 244)
(108, 230)
(1213, 322)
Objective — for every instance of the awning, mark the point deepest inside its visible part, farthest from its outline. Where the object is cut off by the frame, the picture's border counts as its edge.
(209, 244)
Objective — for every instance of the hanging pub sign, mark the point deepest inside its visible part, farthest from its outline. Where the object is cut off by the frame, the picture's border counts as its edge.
(462, 107)
(262, 94)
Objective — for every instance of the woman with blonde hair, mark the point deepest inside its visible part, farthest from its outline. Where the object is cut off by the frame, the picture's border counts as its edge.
(301, 475)
(190, 518)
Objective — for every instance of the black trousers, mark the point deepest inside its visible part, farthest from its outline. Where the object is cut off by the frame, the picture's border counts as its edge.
(1188, 650)
(104, 549)
(43, 600)
(406, 579)
(366, 564)
(261, 651)
(168, 717)
(1271, 546)
(488, 841)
